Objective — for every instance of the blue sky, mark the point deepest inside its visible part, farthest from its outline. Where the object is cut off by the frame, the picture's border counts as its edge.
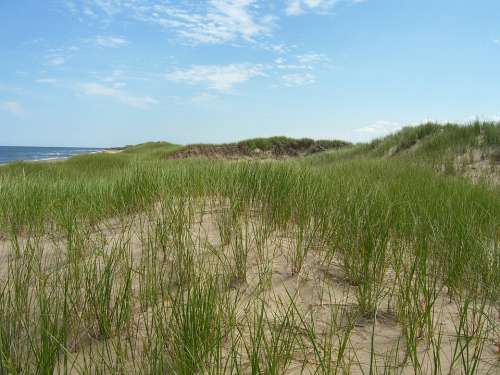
(114, 72)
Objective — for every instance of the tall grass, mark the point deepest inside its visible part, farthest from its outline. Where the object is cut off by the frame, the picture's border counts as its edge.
(130, 263)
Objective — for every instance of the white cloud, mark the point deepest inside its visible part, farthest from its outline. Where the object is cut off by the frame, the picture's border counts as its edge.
(56, 60)
(116, 75)
(46, 80)
(221, 21)
(217, 77)
(224, 78)
(60, 55)
(298, 7)
(12, 107)
(110, 41)
(97, 89)
(298, 79)
(311, 58)
(307, 61)
(294, 8)
(280, 49)
(110, 7)
(496, 41)
(380, 128)
(210, 22)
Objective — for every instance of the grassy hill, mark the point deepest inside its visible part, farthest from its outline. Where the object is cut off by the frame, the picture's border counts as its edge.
(151, 150)
(259, 148)
(471, 150)
(432, 141)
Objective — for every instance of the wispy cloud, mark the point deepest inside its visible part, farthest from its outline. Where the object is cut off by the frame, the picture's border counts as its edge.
(219, 21)
(203, 97)
(97, 89)
(116, 77)
(298, 7)
(56, 60)
(60, 56)
(12, 107)
(223, 78)
(311, 58)
(279, 48)
(300, 63)
(46, 80)
(496, 41)
(207, 22)
(217, 77)
(381, 127)
(110, 41)
(298, 79)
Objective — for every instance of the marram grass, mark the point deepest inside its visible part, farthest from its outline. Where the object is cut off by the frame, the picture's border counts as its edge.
(131, 263)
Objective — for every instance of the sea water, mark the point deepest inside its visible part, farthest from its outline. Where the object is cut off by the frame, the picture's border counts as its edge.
(16, 153)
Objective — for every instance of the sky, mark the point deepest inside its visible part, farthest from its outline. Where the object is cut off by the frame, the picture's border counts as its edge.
(103, 73)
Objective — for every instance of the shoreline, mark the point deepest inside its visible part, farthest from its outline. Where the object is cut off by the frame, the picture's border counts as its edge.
(62, 158)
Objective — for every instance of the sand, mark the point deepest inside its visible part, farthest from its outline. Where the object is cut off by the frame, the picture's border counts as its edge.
(321, 291)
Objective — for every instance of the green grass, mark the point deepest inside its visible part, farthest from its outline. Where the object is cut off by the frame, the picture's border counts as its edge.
(132, 263)
(429, 143)
(279, 144)
(274, 147)
(151, 150)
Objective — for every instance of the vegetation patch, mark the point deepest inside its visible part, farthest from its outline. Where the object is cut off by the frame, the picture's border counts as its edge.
(259, 148)
(469, 150)
(130, 263)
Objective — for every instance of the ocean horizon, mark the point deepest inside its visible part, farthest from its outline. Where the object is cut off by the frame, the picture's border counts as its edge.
(10, 154)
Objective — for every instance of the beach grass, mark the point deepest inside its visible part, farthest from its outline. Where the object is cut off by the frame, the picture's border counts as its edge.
(134, 263)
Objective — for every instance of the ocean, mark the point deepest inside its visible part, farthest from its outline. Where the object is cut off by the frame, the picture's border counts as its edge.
(16, 153)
